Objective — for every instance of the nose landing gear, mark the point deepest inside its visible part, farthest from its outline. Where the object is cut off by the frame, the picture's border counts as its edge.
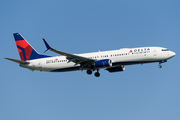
(163, 61)
(160, 66)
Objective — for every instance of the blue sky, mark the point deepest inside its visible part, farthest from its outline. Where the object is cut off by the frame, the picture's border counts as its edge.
(78, 26)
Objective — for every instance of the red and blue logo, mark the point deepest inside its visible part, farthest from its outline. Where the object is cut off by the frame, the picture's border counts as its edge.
(25, 50)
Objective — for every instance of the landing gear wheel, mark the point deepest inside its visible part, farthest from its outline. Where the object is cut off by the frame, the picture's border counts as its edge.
(160, 66)
(89, 72)
(97, 74)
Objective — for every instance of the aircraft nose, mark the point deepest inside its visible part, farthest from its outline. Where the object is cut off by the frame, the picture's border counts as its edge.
(172, 54)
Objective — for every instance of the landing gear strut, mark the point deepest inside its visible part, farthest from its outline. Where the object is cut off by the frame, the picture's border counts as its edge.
(160, 66)
(97, 74)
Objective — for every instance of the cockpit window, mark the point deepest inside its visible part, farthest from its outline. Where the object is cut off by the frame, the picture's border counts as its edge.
(165, 50)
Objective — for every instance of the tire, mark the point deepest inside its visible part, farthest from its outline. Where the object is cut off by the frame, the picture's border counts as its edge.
(97, 74)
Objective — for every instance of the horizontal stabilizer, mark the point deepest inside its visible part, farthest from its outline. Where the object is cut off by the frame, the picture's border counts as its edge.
(17, 61)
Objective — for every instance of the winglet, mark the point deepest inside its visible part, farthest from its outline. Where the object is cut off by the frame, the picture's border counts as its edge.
(47, 45)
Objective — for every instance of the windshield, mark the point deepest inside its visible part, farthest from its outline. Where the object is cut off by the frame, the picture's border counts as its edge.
(165, 50)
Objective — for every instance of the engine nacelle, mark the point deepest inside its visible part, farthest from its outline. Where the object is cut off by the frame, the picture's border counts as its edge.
(116, 69)
(103, 63)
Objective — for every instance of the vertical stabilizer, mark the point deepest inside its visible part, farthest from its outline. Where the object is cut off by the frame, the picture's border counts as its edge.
(26, 51)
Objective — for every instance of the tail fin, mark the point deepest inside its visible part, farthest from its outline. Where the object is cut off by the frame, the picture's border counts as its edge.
(26, 51)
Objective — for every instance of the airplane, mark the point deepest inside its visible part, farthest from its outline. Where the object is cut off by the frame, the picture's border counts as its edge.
(112, 61)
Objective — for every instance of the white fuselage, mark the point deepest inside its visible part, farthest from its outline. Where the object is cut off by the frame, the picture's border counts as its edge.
(121, 57)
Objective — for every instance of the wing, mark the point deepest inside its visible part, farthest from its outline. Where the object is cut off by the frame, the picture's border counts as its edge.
(83, 61)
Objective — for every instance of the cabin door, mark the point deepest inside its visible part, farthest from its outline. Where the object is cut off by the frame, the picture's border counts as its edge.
(39, 64)
(155, 52)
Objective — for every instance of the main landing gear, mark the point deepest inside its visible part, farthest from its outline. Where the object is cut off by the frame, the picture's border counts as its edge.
(89, 72)
(97, 74)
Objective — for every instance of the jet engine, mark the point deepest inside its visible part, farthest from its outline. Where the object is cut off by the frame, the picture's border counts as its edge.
(103, 63)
